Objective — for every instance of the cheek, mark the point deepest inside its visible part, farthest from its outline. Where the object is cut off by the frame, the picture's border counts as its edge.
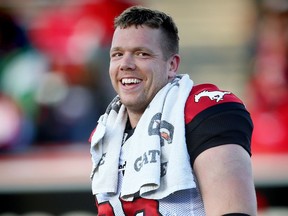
(112, 75)
(159, 80)
(112, 71)
(161, 74)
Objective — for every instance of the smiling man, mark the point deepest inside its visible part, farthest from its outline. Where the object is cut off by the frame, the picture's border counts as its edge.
(164, 145)
(139, 68)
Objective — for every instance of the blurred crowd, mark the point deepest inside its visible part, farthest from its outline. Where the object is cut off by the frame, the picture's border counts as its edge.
(267, 92)
(54, 80)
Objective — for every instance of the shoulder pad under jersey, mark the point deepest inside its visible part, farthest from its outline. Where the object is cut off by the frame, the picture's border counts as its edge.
(204, 96)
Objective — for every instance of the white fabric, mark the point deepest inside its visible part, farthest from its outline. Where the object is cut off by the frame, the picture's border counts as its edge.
(158, 147)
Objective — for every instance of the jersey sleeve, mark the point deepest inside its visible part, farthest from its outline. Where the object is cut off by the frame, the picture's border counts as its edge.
(214, 117)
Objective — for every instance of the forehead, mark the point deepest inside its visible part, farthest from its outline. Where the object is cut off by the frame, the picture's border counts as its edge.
(140, 36)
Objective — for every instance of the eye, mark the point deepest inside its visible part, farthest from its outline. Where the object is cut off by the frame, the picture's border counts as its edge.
(115, 54)
(142, 54)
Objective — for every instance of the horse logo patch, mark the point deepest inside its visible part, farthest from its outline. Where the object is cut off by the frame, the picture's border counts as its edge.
(213, 95)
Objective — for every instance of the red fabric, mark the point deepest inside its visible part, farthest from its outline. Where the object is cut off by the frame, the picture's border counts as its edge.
(192, 108)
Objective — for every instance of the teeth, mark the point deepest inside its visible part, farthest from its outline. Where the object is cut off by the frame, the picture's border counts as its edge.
(130, 81)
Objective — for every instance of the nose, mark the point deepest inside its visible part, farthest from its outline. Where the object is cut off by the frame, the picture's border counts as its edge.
(127, 62)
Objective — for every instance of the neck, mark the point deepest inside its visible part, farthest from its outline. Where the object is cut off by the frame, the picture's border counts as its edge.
(133, 118)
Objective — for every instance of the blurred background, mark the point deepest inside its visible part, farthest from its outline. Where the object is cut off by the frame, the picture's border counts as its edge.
(54, 84)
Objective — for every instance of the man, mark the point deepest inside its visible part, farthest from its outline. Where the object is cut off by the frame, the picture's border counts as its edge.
(164, 146)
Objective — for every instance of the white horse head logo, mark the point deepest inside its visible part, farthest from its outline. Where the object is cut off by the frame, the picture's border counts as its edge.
(213, 95)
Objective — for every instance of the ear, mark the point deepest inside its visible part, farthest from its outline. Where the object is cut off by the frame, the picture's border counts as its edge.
(174, 62)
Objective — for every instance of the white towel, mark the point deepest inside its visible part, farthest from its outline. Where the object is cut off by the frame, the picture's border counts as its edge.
(158, 163)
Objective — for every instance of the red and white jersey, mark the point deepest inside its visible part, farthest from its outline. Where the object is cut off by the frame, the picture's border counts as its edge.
(208, 111)
(186, 202)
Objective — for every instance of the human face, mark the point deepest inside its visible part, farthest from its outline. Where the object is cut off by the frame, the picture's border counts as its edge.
(138, 69)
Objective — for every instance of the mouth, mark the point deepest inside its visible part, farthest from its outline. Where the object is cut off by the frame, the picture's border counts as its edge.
(130, 81)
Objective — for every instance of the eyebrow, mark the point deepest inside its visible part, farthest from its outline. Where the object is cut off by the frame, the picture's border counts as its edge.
(133, 49)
